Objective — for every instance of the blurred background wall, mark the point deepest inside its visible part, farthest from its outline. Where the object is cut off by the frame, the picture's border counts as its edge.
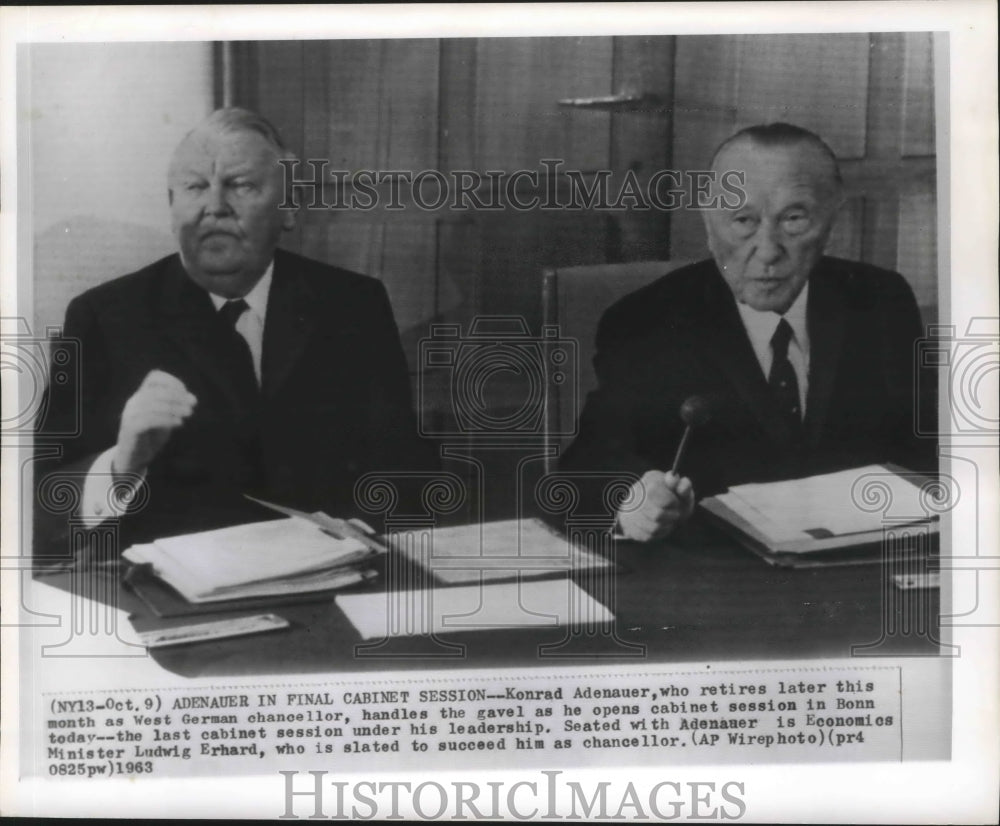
(494, 104)
(98, 122)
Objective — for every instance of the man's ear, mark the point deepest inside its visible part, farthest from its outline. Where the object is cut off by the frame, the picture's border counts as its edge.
(288, 214)
(706, 219)
(837, 201)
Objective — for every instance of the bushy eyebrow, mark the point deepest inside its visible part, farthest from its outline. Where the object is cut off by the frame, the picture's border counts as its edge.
(241, 168)
(189, 174)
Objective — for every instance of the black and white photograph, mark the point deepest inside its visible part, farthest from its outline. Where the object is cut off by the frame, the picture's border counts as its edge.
(549, 412)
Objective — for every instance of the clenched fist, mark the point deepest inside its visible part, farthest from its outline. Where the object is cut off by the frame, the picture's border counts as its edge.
(158, 407)
(665, 500)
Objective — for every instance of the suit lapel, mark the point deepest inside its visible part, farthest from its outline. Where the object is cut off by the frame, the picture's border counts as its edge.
(826, 316)
(189, 322)
(290, 320)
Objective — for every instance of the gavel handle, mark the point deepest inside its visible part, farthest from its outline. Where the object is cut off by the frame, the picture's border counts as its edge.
(680, 450)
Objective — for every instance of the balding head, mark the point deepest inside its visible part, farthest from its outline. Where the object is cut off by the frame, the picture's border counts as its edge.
(779, 136)
(767, 248)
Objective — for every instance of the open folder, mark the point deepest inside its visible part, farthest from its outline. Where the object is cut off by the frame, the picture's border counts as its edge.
(826, 519)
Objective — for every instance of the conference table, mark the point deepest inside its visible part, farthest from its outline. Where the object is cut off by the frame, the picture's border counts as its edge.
(697, 597)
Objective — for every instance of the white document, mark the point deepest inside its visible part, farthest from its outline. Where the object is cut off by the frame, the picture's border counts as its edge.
(544, 603)
(212, 562)
(495, 550)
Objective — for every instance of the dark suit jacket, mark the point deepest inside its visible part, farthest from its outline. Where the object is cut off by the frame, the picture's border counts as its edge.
(335, 401)
(682, 335)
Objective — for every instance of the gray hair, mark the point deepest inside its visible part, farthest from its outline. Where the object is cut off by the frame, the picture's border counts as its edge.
(234, 119)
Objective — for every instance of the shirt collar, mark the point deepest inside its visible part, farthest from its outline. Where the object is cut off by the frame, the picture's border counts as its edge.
(760, 325)
(256, 299)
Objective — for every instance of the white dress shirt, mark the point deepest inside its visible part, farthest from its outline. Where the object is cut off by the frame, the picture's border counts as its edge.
(760, 327)
(99, 502)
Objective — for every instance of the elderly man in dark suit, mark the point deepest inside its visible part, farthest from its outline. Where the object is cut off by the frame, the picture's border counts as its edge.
(807, 361)
(233, 367)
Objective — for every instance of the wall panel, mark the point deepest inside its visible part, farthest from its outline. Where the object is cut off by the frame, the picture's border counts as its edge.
(918, 95)
(518, 119)
(816, 81)
(493, 104)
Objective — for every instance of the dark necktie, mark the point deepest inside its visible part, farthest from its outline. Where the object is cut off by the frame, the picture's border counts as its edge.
(242, 360)
(244, 425)
(784, 384)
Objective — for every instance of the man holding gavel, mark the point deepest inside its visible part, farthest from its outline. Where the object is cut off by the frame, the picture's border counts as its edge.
(796, 363)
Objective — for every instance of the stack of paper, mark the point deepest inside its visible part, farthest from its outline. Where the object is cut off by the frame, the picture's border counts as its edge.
(824, 512)
(277, 557)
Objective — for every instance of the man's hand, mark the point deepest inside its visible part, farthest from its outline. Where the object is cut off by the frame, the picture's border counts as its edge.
(665, 500)
(158, 407)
